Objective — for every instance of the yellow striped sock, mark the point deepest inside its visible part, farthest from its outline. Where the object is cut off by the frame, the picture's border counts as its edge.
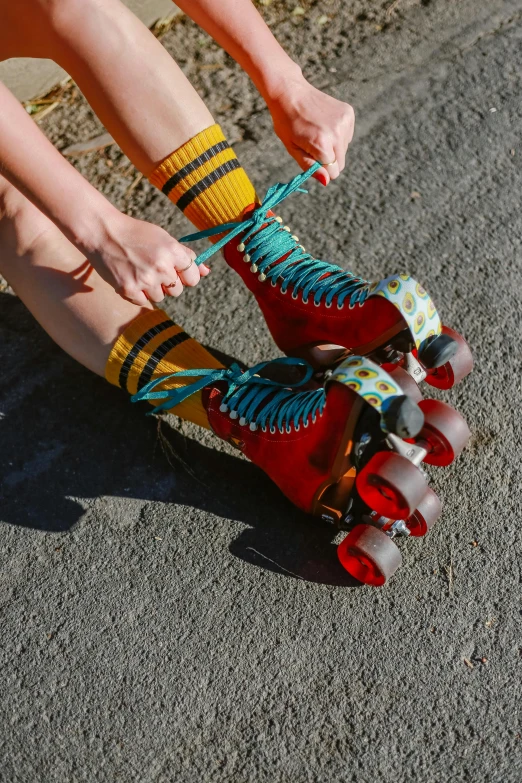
(205, 180)
(153, 345)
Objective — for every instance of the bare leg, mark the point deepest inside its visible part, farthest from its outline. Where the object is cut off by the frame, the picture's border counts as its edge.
(134, 86)
(79, 310)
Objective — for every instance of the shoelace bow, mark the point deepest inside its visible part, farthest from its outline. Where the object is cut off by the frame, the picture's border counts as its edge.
(259, 402)
(266, 243)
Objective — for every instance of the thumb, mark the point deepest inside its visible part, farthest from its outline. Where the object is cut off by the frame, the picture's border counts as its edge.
(305, 160)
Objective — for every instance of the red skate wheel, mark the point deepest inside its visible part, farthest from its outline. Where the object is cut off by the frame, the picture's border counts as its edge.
(456, 369)
(425, 515)
(408, 384)
(369, 555)
(445, 430)
(391, 485)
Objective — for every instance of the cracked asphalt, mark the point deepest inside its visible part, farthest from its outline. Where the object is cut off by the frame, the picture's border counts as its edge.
(165, 614)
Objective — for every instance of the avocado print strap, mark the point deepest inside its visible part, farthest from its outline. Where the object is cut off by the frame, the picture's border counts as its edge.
(414, 303)
(373, 384)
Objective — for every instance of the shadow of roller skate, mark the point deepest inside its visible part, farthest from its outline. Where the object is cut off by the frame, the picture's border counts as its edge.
(69, 439)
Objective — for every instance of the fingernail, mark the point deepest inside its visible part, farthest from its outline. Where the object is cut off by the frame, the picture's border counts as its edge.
(322, 177)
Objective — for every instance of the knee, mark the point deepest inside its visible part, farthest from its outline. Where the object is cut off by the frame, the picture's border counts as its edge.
(64, 15)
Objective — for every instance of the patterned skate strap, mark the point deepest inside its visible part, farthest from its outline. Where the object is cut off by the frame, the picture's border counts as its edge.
(368, 379)
(414, 304)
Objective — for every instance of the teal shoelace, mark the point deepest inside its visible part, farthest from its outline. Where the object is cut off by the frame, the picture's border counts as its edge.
(258, 402)
(266, 243)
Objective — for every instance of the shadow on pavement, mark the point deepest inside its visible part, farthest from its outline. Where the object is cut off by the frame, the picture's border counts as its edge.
(68, 438)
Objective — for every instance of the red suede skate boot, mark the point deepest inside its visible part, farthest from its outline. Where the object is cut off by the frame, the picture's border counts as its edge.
(314, 442)
(312, 307)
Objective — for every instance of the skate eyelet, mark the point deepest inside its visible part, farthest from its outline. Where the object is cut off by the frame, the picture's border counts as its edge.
(242, 421)
(223, 408)
(279, 219)
(297, 428)
(273, 284)
(288, 429)
(305, 424)
(294, 296)
(253, 426)
(328, 305)
(241, 247)
(263, 429)
(233, 414)
(246, 258)
(340, 306)
(272, 430)
(305, 301)
(253, 268)
(317, 304)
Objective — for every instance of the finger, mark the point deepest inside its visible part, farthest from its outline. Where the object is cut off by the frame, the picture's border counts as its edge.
(186, 268)
(323, 151)
(340, 156)
(175, 289)
(204, 270)
(333, 169)
(155, 294)
(137, 297)
(305, 161)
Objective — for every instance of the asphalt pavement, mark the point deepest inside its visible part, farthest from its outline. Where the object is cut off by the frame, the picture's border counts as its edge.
(165, 614)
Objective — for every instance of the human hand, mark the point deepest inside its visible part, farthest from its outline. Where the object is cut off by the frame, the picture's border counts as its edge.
(141, 261)
(312, 125)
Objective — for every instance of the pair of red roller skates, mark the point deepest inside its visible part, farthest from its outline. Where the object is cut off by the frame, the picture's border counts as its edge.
(347, 440)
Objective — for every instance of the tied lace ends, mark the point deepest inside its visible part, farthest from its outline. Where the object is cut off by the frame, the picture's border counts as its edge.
(254, 400)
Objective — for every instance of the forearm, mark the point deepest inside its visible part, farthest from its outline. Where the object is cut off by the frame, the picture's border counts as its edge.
(240, 30)
(31, 163)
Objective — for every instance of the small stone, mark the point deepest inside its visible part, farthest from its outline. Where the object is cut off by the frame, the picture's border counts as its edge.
(468, 663)
(323, 20)
(298, 11)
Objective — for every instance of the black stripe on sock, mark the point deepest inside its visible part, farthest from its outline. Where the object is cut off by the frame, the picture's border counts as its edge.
(137, 347)
(197, 189)
(161, 351)
(194, 164)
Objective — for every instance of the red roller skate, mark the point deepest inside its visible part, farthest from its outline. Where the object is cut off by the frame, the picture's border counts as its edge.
(347, 452)
(322, 313)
